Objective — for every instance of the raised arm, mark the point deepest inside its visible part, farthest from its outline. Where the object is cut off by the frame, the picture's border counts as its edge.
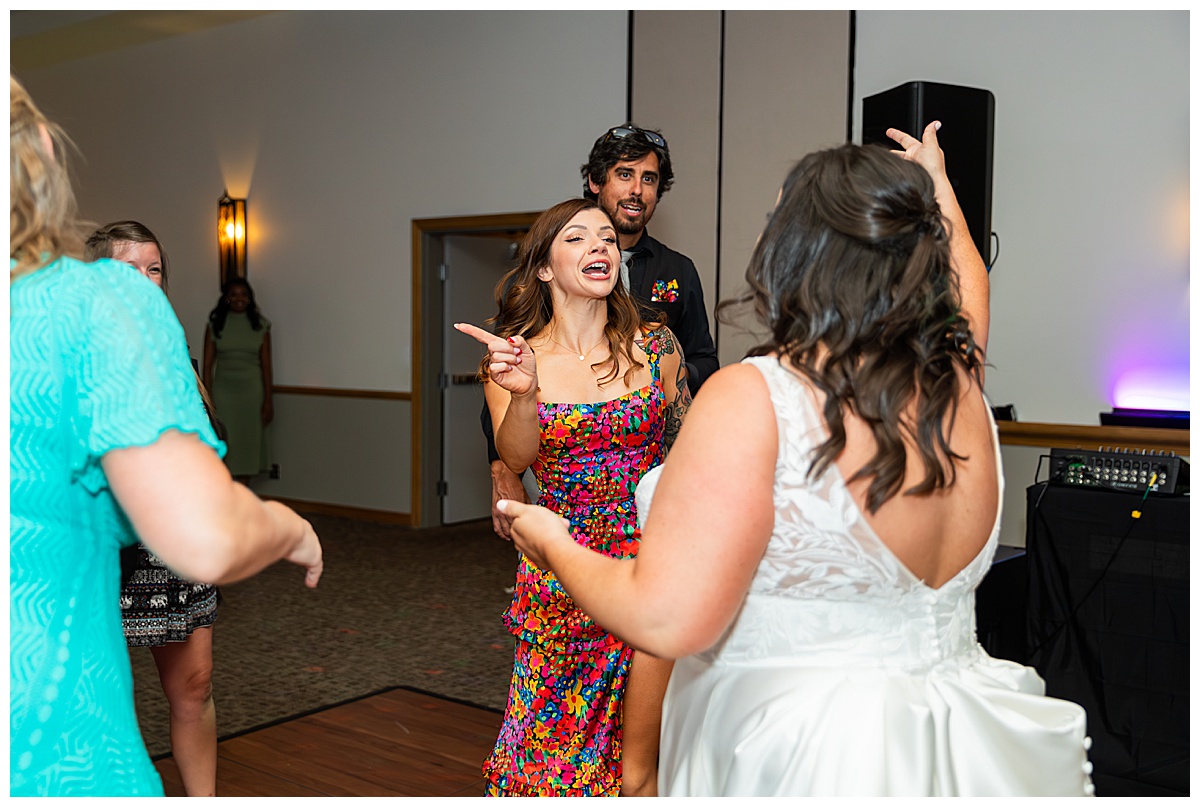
(972, 272)
(511, 395)
(185, 506)
(698, 553)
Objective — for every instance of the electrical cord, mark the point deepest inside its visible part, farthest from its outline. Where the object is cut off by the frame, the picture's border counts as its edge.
(1135, 516)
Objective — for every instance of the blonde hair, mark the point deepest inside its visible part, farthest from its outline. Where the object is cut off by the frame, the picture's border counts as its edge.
(43, 219)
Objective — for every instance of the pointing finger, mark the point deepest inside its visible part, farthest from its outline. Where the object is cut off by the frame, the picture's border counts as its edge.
(478, 334)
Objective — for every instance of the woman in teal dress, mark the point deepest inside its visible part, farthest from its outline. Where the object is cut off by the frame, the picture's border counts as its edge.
(109, 443)
(237, 371)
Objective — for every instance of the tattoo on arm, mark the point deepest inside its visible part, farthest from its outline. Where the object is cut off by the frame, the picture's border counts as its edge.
(678, 406)
(665, 340)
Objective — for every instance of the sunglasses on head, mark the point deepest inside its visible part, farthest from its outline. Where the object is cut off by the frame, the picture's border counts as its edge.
(619, 132)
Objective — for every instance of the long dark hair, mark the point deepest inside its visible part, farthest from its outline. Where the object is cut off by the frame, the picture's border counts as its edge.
(852, 277)
(525, 305)
(216, 317)
(102, 243)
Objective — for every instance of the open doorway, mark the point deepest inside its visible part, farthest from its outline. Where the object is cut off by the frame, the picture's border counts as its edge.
(456, 265)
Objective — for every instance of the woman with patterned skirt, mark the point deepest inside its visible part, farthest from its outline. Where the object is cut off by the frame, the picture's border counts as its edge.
(159, 609)
(589, 396)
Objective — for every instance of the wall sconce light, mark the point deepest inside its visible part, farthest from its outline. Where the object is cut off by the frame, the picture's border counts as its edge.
(231, 237)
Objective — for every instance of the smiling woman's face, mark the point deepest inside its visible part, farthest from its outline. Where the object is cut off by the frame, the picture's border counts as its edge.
(238, 299)
(584, 258)
(143, 256)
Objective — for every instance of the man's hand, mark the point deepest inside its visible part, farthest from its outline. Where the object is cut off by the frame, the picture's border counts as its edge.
(505, 485)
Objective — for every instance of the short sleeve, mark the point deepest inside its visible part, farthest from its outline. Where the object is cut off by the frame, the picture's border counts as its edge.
(133, 376)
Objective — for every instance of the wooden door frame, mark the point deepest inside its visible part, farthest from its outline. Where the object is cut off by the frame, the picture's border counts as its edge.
(428, 252)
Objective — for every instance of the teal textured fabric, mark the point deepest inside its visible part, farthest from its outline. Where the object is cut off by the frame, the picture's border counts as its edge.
(98, 362)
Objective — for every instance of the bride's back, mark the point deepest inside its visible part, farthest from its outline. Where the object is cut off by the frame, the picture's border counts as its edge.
(934, 535)
(854, 278)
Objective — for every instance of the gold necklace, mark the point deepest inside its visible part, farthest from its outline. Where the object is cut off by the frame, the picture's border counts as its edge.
(582, 356)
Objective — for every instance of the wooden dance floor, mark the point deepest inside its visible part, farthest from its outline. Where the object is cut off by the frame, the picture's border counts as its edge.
(401, 742)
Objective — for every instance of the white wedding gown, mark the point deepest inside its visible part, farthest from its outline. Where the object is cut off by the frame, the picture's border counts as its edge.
(843, 674)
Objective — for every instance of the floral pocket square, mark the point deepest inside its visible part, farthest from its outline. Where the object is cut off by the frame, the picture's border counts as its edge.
(664, 291)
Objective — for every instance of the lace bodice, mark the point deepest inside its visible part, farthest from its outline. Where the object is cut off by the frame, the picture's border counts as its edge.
(827, 588)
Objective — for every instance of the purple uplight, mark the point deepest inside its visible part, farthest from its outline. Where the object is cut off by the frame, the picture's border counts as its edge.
(1153, 388)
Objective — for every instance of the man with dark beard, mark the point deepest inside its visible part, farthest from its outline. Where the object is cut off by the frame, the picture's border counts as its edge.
(627, 173)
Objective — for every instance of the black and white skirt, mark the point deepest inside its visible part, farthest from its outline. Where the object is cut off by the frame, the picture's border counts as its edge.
(157, 607)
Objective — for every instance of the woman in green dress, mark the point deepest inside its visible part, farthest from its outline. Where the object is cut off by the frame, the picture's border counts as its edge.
(237, 372)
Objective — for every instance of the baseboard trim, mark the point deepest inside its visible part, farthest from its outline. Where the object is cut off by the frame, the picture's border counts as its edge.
(334, 392)
(343, 511)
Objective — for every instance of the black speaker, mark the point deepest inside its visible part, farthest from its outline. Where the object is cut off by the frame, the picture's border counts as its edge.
(968, 121)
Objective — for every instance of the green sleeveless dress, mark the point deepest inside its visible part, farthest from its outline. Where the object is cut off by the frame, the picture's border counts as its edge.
(237, 393)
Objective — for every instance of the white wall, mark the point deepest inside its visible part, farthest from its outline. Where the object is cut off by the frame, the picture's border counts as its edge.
(1090, 200)
(734, 133)
(1090, 197)
(340, 128)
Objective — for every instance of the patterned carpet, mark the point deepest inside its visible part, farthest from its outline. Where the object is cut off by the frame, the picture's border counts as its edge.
(396, 606)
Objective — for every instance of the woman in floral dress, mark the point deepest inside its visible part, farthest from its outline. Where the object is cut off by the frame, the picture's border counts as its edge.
(590, 396)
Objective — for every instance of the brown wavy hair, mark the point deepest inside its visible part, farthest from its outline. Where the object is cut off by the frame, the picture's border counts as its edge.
(102, 243)
(525, 305)
(43, 216)
(855, 261)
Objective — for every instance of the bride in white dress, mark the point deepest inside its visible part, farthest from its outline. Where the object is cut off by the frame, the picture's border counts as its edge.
(812, 546)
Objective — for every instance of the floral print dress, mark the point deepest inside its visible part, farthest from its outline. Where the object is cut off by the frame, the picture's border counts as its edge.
(561, 734)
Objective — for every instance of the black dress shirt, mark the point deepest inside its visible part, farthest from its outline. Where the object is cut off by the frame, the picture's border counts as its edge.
(667, 281)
